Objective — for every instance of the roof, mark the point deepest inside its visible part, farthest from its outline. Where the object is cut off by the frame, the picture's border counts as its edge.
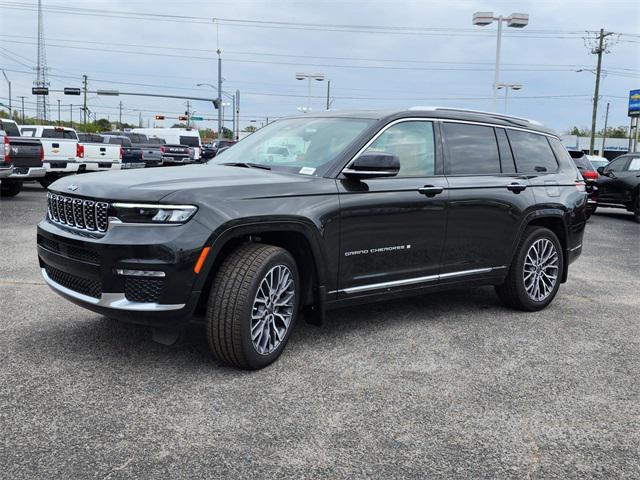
(498, 119)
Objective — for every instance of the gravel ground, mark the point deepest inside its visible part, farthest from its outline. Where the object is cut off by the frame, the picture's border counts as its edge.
(444, 386)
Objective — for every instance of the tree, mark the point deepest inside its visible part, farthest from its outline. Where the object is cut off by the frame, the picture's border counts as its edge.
(249, 128)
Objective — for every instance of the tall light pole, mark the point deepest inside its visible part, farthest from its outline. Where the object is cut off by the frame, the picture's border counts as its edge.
(515, 20)
(235, 102)
(219, 94)
(309, 76)
(507, 87)
(9, 84)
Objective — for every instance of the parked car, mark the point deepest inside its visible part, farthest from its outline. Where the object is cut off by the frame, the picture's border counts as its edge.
(61, 153)
(619, 184)
(211, 150)
(590, 176)
(151, 151)
(377, 205)
(132, 157)
(188, 137)
(97, 155)
(20, 159)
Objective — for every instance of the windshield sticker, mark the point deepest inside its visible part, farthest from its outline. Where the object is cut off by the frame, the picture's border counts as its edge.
(307, 171)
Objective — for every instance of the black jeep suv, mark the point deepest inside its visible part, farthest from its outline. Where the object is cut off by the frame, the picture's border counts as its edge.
(364, 206)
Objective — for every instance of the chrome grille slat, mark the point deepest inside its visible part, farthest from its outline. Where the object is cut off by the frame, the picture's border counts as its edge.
(78, 213)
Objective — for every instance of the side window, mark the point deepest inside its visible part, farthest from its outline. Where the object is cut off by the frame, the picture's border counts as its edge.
(506, 156)
(533, 152)
(413, 144)
(472, 149)
(617, 165)
(634, 165)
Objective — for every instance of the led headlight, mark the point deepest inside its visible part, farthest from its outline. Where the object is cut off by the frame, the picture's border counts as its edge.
(150, 213)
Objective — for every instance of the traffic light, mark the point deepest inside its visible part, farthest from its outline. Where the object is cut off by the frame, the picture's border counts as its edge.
(159, 117)
(216, 103)
(40, 90)
(183, 118)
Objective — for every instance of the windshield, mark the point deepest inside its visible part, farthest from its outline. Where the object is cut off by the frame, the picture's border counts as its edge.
(298, 145)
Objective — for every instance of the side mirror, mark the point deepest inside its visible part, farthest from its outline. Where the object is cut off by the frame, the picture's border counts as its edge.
(373, 165)
(600, 170)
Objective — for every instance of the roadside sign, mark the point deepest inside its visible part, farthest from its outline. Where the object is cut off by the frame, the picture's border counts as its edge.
(40, 90)
(634, 103)
(71, 91)
(197, 119)
(113, 93)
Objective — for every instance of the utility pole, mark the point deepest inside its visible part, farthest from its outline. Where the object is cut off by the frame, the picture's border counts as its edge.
(59, 123)
(120, 115)
(84, 108)
(71, 115)
(237, 115)
(328, 93)
(9, 85)
(140, 119)
(188, 113)
(604, 132)
(219, 94)
(599, 50)
(22, 98)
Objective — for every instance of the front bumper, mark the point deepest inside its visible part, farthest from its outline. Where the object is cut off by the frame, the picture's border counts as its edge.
(84, 269)
(28, 173)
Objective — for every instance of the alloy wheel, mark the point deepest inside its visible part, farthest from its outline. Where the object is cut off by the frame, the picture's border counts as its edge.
(272, 309)
(540, 273)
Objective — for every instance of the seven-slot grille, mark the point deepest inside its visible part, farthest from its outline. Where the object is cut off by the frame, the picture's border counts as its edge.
(78, 213)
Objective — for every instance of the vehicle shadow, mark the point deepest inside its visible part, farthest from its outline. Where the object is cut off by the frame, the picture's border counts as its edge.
(97, 338)
(619, 214)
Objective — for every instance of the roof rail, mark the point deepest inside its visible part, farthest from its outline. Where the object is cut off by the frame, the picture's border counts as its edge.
(493, 114)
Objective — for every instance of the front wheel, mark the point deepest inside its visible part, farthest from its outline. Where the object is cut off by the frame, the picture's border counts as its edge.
(535, 273)
(10, 188)
(253, 306)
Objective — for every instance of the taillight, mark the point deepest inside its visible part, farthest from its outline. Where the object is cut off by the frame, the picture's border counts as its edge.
(163, 150)
(79, 150)
(590, 175)
(5, 149)
(121, 153)
(142, 156)
(41, 154)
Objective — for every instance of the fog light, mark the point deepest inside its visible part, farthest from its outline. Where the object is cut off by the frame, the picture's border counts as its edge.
(139, 273)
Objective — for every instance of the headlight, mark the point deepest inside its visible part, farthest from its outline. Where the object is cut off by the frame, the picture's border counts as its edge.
(149, 213)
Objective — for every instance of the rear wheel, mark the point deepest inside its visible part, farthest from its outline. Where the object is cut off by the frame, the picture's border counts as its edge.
(47, 180)
(534, 275)
(636, 208)
(253, 306)
(10, 188)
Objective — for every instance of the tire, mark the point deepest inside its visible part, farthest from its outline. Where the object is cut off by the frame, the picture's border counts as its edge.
(46, 181)
(10, 188)
(514, 291)
(636, 208)
(234, 301)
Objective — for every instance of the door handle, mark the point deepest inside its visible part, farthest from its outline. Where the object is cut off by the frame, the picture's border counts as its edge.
(516, 187)
(430, 190)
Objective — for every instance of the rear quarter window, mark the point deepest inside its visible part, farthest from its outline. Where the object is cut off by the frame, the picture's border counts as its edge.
(189, 141)
(532, 152)
(10, 128)
(59, 134)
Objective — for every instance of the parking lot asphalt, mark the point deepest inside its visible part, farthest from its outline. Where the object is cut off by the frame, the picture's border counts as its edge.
(452, 385)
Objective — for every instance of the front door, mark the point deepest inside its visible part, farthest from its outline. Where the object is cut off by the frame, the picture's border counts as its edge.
(393, 229)
(613, 185)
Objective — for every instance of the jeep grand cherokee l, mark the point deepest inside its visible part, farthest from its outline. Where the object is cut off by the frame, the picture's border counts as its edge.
(367, 206)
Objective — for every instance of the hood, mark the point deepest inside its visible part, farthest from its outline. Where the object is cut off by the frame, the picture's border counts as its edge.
(152, 185)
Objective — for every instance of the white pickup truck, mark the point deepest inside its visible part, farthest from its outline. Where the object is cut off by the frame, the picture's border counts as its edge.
(97, 155)
(61, 150)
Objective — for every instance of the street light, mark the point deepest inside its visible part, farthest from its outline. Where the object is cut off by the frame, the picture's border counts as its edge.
(235, 102)
(515, 20)
(309, 76)
(507, 87)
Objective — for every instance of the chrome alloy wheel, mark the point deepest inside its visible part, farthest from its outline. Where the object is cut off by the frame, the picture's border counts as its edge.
(272, 309)
(540, 273)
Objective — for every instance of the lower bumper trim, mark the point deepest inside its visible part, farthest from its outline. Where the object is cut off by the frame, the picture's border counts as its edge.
(116, 301)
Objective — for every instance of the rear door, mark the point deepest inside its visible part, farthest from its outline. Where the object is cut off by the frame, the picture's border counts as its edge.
(487, 200)
(391, 233)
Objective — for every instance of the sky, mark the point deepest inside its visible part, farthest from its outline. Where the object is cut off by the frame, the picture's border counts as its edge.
(376, 54)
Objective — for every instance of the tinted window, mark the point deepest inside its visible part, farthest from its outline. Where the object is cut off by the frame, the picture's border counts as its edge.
(136, 137)
(582, 163)
(59, 133)
(89, 138)
(125, 142)
(412, 143)
(617, 165)
(506, 156)
(10, 128)
(634, 165)
(533, 152)
(190, 141)
(156, 141)
(472, 149)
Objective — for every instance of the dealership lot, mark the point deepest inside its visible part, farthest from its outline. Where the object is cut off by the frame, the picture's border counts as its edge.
(451, 385)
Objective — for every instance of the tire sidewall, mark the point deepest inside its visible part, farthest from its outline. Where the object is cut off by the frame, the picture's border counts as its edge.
(532, 237)
(257, 360)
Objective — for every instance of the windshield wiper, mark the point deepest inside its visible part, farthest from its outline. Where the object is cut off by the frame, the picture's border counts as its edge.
(247, 165)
